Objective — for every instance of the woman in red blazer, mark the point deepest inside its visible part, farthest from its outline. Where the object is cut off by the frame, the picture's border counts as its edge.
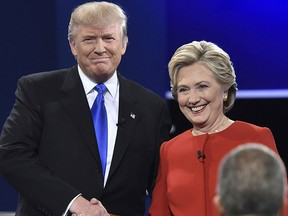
(203, 83)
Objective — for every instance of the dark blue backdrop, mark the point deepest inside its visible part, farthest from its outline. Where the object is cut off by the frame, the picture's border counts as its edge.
(33, 38)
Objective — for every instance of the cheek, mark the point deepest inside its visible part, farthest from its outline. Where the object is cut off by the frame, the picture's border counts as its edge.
(217, 104)
(213, 99)
(86, 51)
(182, 101)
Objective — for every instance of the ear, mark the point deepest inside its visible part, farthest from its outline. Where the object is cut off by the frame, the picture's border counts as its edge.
(124, 48)
(73, 47)
(124, 44)
(219, 207)
(284, 209)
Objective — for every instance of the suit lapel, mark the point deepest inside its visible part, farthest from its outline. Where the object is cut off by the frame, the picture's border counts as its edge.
(128, 118)
(75, 103)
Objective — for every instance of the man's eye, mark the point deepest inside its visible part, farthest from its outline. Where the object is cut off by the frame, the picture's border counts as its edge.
(88, 40)
(109, 38)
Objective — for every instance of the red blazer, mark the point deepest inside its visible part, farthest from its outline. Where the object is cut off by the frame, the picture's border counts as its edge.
(49, 154)
(185, 185)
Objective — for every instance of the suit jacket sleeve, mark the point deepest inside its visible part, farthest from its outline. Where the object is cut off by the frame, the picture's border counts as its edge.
(19, 161)
(163, 135)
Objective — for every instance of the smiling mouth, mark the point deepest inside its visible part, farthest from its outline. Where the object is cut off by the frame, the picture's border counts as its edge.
(198, 109)
(99, 59)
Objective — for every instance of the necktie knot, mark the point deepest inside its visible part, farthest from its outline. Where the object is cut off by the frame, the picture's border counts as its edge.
(101, 88)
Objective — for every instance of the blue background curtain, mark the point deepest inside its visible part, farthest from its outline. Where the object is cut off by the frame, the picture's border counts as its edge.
(33, 38)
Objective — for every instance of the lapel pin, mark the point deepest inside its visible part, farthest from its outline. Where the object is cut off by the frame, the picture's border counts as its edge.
(132, 115)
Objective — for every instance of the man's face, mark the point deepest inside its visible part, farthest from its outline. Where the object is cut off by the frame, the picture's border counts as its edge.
(98, 50)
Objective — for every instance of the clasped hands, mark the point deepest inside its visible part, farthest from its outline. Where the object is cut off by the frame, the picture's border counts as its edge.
(83, 207)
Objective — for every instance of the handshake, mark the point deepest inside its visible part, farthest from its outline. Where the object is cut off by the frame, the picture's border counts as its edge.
(83, 207)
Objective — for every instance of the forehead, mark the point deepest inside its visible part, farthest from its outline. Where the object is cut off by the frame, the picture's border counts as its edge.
(112, 29)
(195, 73)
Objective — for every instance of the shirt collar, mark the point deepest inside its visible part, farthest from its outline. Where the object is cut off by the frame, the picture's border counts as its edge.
(88, 84)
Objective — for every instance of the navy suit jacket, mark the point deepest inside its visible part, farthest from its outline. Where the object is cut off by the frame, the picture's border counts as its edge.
(48, 148)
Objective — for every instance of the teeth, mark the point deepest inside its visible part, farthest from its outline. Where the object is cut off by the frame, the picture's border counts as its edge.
(195, 109)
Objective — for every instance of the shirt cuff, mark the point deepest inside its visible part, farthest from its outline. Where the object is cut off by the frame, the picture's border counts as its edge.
(68, 207)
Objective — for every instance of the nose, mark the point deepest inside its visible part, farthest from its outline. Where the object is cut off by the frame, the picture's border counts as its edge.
(99, 47)
(193, 98)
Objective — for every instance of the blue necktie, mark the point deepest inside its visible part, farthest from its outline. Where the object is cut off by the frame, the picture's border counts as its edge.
(100, 124)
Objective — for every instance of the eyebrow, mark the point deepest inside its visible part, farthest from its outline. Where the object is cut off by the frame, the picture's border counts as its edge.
(196, 84)
(203, 81)
(108, 34)
(102, 35)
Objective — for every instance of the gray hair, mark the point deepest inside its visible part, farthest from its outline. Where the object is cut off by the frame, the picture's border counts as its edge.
(210, 56)
(252, 180)
(97, 14)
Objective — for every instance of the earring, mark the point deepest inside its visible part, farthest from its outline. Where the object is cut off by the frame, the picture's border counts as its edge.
(225, 97)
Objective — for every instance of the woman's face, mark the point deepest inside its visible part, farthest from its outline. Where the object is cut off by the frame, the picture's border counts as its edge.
(200, 96)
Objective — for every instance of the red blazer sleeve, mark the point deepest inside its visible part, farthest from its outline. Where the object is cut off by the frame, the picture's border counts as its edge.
(266, 137)
(159, 206)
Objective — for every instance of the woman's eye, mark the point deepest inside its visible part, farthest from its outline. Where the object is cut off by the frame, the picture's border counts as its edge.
(183, 90)
(202, 86)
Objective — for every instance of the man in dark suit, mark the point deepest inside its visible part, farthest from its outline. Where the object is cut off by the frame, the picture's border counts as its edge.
(48, 146)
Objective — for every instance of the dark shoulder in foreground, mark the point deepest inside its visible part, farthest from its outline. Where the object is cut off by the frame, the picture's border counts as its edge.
(49, 75)
(52, 79)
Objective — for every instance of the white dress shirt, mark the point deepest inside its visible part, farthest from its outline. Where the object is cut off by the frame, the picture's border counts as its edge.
(111, 98)
(111, 101)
